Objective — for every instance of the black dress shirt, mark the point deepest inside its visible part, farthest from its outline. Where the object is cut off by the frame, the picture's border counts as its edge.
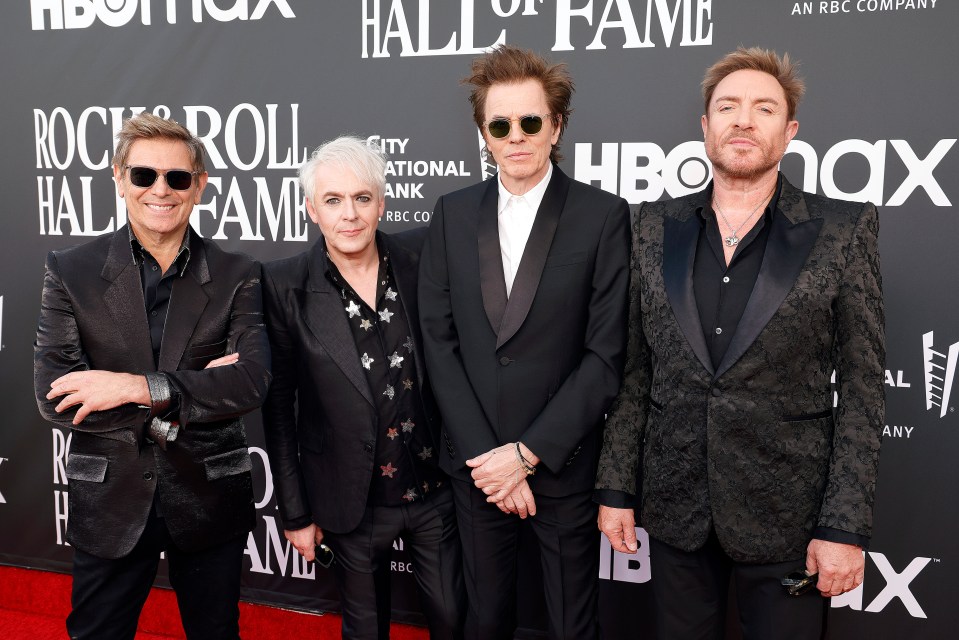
(405, 453)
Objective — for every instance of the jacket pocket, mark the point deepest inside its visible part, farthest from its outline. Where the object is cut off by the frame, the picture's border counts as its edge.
(819, 415)
(87, 468)
(564, 259)
(230, 463)
(207, 351)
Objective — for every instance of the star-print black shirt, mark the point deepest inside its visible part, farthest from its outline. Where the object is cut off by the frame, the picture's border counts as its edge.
(405, 459)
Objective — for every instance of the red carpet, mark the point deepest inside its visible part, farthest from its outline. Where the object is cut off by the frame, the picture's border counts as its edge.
(34, 604)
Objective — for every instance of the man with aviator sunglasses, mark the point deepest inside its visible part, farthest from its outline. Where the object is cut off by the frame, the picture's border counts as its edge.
(150, 346)
(523, 287)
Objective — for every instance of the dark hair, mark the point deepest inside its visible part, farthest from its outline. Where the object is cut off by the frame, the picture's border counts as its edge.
(757, 59)
(509, 65)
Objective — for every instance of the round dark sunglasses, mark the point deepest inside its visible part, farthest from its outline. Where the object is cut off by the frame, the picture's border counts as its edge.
(530, 124)
(176, 179)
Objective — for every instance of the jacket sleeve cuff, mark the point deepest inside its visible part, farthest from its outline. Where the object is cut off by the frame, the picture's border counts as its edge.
(837, 535)
(614, 498)
(295, 524)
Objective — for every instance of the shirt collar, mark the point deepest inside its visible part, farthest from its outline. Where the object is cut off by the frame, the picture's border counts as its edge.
(183, 253)
(534, 196)
(706, 210)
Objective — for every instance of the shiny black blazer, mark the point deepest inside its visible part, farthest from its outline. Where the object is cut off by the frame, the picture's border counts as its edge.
(93, 317)
(542, 366)
(754, 447)
(319, 418)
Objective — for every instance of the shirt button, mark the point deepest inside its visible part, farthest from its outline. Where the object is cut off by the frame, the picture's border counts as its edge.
(148, 475)
(716, 392)
(154, 267)
(719, 330)
(504, 361)
(153, 313)
(725, 278)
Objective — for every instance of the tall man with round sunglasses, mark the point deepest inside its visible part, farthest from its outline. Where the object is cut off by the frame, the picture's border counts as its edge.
(745, 299)
(150, 346)
(523, 287)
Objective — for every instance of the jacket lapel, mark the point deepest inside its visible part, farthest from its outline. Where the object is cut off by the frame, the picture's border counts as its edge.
(187, 302)
(791, 237)
(323, 308)
(680, 239)
(534, 257)
(124, 299)
(405, 266)
(492, 277)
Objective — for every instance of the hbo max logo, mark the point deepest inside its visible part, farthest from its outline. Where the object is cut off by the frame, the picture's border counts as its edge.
(80, 14)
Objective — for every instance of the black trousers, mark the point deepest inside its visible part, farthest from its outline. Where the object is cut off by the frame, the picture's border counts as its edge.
(109, 594)
(691, 590)
(362, 567)
(569, 554)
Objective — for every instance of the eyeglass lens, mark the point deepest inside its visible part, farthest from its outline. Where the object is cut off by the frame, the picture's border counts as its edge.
(144, 177)
(500, 127)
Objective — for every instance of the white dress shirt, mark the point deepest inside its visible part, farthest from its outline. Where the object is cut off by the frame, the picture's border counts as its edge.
(516, 216)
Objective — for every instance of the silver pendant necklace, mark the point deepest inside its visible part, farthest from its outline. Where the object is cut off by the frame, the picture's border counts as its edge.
(733, 238)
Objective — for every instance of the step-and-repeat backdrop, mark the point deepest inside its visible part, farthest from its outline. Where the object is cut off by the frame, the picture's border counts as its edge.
(264, 81)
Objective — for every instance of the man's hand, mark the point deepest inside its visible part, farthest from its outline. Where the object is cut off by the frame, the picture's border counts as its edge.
(840, 566)
(305, 540)
(98, 391)
(519, 501)
(497, 472)
(231, 358)
(619, 525)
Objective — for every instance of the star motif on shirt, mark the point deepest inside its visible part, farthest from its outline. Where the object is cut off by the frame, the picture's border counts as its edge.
(366, 361)
(353, 309)
(408, 425)
(365, 324)
(408, 344)
(395, 360)
(410, 495)
(385, 315)
(391, 433)
(390, 294)
(390, 391)
(388, 470)
(407, 384)
(426, 454)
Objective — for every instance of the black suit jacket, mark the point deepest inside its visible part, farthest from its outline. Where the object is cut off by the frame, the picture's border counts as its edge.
(542, 366)
(93, 317)
(319, 416)
(754, 447)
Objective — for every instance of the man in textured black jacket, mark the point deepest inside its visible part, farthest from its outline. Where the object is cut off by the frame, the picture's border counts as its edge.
(150, 347)
(744, 299)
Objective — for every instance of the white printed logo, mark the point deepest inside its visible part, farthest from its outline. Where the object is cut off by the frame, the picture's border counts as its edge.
(80, 14)
(897, 586)
(2, 499)
(623, 567)
(940, 373)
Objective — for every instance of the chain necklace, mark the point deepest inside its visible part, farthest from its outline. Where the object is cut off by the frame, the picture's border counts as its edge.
(733, 238)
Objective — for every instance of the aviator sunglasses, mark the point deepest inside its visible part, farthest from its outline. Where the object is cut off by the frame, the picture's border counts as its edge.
(531, 124)
(176, 179)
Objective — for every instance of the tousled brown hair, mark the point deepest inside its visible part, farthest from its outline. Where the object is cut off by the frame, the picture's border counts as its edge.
(509, 65)
(757, 59)
(146, 126)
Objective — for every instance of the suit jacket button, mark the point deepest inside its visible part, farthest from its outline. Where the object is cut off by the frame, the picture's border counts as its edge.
(504, 361)
(716, 392)
(148, 475)
(368, 447)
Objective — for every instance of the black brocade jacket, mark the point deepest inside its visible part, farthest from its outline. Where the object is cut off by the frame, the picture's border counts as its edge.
(93, 317)
(754, 447)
